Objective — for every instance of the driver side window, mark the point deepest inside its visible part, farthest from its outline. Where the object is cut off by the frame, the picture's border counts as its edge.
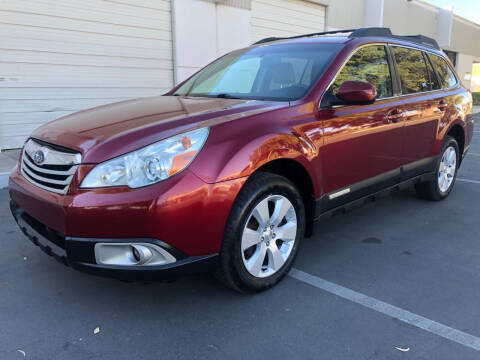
(368, 64)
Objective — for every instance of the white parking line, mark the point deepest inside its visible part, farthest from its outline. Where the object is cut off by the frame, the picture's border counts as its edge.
(468, 180)
(408, 317)
(474, 154)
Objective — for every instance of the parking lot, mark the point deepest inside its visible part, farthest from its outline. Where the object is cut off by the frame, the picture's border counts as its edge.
(396, 279)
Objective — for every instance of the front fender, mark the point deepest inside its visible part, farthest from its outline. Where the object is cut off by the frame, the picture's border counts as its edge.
(240, 157)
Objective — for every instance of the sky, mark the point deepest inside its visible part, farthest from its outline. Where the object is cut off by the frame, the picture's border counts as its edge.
(469, 9)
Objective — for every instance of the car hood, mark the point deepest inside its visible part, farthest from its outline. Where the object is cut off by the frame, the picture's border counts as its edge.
(111, 130)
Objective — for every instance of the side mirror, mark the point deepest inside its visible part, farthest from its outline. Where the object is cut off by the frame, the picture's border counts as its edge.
(356, 92)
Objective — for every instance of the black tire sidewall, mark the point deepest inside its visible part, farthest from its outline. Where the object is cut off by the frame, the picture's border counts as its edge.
(252, 194)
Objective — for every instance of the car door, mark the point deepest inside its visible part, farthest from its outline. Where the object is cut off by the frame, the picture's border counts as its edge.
(422, 101)
(362, 143)
(447, 103)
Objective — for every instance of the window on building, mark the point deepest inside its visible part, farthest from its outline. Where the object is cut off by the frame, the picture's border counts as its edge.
(446, 75)
(367, 64)
(412, 70)
(452, 55)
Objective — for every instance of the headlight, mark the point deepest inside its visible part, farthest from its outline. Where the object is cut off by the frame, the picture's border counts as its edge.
(150, 164)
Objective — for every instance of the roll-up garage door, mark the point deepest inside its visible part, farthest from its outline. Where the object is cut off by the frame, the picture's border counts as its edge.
(57, 57)
(286, 18)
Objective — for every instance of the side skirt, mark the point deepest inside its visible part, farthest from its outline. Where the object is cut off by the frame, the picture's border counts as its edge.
(342, 209)
(369, 190)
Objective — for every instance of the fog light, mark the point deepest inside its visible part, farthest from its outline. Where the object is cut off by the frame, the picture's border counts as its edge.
(132, 254)
(142, 254)
(136, 254)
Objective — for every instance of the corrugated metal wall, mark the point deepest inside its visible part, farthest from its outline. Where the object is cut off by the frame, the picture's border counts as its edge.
(242, 4)
(286, 18)
(58, 57)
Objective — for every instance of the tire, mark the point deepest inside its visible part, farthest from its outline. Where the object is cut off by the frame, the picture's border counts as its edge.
(264, 195)
(446, 169)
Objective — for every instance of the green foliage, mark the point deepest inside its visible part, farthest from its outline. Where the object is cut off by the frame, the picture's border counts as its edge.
(476, 98)
(412, 70)
(446, 75)
(368, 64)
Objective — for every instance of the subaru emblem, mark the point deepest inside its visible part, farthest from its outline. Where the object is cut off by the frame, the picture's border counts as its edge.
(39, 157)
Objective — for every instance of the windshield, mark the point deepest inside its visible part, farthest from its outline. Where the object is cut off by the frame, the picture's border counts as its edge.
(277, 72)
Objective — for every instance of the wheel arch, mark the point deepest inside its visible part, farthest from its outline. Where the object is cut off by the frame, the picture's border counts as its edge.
(300, 177)
(283, 153)
(458, 133)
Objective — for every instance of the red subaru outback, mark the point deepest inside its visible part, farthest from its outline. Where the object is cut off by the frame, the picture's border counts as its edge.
(228, 171)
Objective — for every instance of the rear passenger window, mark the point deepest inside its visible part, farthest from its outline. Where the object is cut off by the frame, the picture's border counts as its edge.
(431, 73)
(367, 64)
(412, 70)
(447, 78)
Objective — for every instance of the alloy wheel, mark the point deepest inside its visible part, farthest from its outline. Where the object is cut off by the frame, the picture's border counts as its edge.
(269, 236)
(447, 169)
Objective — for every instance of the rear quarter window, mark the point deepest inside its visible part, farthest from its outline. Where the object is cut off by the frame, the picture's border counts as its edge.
(446, 76)
(431, 73)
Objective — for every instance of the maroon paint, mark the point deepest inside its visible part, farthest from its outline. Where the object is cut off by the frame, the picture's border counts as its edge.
(336, 147)
(356, 92)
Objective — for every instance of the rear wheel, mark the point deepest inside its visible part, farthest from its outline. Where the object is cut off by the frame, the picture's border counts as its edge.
(447, 165)
(262, 234)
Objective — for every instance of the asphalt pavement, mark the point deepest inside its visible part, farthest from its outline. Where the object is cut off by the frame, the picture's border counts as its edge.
(360, 274)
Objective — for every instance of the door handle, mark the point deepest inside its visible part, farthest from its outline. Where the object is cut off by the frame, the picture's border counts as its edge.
(442, 105)
(394, 116)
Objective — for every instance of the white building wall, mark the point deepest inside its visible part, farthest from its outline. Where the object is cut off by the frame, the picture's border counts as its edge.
(410, 18)
(194, 32)
(373, 13)
(465, 68)
(234, 28)
(343, 14)
(205, 30)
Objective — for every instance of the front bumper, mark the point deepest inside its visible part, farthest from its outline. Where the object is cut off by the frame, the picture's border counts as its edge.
(183, 211)
(79, 253)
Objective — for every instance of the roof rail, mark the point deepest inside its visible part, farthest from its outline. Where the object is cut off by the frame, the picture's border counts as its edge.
(363, 32)
(270, 39)
(419, 39)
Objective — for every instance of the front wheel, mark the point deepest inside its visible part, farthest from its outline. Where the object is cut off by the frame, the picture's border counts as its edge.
(447, 165)
(262, 234)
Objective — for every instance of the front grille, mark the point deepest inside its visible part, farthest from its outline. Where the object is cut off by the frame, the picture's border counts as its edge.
(49, 167)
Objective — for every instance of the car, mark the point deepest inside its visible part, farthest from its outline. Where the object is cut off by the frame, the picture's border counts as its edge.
(227, 172)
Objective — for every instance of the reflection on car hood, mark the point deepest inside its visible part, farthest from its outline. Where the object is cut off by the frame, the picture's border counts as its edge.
(112, 130)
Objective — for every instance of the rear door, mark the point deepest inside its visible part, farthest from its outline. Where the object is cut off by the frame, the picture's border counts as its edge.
(426, 82)
(447, 103)
(420, 95)
(362, 143)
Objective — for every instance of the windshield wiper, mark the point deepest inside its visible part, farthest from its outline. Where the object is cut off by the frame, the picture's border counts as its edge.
(226, 96)
(220, 96)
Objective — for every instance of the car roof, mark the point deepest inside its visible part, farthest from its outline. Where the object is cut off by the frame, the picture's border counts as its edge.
(359, 37)
(346, 40)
